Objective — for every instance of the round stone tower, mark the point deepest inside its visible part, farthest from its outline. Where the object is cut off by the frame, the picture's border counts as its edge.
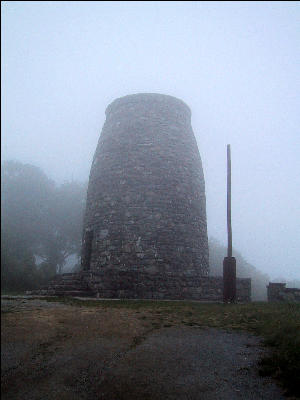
(145, 207)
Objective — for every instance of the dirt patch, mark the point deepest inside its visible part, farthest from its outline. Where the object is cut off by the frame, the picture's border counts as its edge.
(50, 345)
(56, 351)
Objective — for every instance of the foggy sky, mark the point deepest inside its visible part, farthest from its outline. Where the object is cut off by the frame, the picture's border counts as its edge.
(236, 64)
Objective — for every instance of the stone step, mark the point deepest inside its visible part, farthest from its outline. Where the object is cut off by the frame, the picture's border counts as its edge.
(67, 288)
(66, 278)
(73, 278)
(40, 292)
(66, 282)
(75, 284)
(59, 292)
(71, 284)
(77, 293)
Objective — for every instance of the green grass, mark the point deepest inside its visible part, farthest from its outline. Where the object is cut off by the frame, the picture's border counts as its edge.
(277, 323)
(13, 293)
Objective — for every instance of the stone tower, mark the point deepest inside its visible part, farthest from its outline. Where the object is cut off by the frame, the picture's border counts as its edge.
(145, 214)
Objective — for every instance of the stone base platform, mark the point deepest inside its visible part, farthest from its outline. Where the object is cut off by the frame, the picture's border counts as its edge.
(141, 285)
(65, 285)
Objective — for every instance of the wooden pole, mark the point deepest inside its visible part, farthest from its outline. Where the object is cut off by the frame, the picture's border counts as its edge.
(229, 263)
(229, 229)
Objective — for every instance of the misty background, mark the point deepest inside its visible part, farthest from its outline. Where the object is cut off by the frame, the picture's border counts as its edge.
(235, 64)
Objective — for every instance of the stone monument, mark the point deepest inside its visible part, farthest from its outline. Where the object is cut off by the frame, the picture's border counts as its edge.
(146, 207)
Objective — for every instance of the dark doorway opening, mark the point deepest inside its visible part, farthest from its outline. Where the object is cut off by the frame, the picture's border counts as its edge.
(88, 241)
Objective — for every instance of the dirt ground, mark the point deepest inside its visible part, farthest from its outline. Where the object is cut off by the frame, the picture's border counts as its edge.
(55, 351)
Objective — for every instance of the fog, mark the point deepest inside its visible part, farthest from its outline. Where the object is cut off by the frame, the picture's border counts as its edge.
(236, 65)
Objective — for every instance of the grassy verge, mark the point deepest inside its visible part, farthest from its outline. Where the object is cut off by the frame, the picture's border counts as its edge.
(278, 324)
(12, 293)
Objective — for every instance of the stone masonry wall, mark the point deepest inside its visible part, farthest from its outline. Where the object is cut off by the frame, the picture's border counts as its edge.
(146, 211)
(277, 292)
(141, 285)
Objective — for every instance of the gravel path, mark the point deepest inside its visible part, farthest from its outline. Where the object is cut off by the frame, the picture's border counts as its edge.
(186, 363)
(52, 351)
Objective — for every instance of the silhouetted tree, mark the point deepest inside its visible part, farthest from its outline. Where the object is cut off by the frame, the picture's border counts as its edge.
(63, 237)
(25, 191)
(37, 219)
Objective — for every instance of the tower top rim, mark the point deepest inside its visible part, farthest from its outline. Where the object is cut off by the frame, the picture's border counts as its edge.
(158, 98)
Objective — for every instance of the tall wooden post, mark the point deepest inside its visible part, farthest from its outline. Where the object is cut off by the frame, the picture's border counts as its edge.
(229, 263)
(229, 229)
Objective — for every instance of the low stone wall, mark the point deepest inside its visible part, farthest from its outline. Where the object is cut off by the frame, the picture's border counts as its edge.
(277, 292)
(139, 285)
